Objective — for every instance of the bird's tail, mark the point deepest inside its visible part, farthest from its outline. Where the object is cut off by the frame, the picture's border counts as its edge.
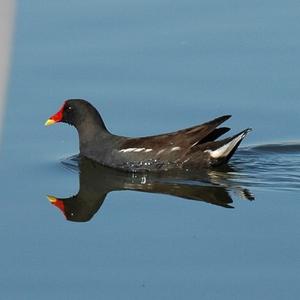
(224, 149)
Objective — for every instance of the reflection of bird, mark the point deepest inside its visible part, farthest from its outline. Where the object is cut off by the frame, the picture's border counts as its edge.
(188, 148)
(96, 181)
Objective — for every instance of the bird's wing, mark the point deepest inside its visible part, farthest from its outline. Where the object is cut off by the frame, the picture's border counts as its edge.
(172, 146)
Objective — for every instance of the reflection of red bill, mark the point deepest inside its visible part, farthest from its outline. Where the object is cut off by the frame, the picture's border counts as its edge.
(56, 117)
(58, 203)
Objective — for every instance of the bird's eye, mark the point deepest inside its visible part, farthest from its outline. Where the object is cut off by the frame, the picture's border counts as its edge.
(69, 108)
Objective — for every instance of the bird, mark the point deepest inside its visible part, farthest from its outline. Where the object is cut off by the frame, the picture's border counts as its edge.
(186, 149)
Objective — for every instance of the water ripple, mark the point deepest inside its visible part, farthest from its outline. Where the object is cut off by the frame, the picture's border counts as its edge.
(270, 166)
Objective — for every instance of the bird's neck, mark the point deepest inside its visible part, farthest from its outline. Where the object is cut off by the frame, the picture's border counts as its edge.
(91, 132)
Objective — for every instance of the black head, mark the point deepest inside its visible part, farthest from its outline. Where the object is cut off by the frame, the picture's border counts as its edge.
(76, 112)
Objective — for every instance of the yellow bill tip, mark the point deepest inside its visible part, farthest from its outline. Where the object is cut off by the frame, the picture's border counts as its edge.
(52, 199)
(49, 122)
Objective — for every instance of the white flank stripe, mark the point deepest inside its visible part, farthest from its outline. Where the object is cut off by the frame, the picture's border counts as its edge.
(127, 150)
(175, 148)
(160, 151)
(135, 150)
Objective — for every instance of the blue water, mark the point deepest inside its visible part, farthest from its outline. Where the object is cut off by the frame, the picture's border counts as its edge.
(153, 67)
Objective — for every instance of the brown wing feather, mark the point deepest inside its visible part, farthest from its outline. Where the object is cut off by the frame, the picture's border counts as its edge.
(185, 137)
(214, 135)
(173, 146)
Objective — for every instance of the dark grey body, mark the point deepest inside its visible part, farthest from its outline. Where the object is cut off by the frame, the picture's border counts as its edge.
(183, 149)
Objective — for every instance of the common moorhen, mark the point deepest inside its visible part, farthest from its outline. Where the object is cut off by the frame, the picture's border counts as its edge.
(191, 148)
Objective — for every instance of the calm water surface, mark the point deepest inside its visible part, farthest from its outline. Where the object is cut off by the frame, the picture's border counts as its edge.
(153, 67)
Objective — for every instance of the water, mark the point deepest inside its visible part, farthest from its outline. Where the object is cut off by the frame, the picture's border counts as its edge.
(152, 68)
